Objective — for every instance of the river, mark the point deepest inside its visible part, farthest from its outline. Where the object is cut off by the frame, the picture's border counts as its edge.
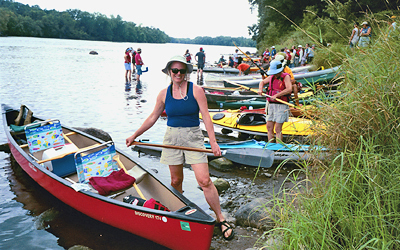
(59, 79)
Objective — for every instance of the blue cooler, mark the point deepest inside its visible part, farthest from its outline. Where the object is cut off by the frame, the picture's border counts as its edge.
(63, 166)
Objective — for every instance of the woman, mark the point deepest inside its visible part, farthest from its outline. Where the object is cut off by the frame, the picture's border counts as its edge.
(127, 58)
(281, 88)
(188, 56)
(365, 35)
(354, 36)
(182, 101)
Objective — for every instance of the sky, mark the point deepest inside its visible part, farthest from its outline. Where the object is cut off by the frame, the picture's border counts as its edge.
(177, 18)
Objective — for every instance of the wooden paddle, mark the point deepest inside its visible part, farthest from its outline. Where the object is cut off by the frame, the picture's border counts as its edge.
(116, 157)
(261, 70)
(254, 90)
(264, 156)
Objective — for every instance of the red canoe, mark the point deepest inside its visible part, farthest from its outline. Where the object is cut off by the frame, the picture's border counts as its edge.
(185, 226)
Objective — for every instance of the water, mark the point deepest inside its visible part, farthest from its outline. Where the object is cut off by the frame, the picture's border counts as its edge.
(59, 79)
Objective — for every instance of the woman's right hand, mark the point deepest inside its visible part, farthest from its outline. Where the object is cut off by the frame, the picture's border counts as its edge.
(130, 140)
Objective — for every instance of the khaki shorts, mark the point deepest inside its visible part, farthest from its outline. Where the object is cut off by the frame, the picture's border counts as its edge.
(187, 137)
(278, 113)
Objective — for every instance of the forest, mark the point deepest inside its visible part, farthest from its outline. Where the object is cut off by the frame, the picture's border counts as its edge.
(17, 19)
(316, 21)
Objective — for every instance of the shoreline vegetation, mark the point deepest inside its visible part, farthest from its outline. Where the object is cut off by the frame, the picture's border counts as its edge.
(352, 199)
(17, 19)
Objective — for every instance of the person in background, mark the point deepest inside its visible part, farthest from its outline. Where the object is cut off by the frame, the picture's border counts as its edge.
(243, 68)
(266, 56)
(139, 64)
(365, 35)
(291, 64)
(354, 35)
(128, 59)
(200, 59)
(280, 87)
(133, 52)
(236, 58)
(188, 56)
(273, 53)
(231, 62)
(303, 59)
(182, 101)
(288, 58)
(392, 24)
(311, 54)
(298, 56)
(221, 61)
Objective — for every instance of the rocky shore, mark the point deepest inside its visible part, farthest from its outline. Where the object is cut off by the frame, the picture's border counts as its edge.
(246, 200)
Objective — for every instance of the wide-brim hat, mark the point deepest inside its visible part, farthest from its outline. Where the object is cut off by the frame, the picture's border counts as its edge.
(366, 23)
(275, 67)
(280, 58)
(180, 59)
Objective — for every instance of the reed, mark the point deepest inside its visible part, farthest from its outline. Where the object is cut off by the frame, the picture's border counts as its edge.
(352, 200)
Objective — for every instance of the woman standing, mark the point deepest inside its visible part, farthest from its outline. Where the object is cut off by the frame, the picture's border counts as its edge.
(354, 36)
(182, 101)
(280, 88)
(128, 59)
(188, 56)
(365, 35)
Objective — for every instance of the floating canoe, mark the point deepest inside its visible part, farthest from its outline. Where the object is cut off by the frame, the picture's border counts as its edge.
(185, 226)
(255, 123)
(282, 152)
(237, 104)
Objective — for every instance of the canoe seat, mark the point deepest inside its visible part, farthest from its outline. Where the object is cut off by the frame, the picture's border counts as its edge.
(96, 161)
(252, 119)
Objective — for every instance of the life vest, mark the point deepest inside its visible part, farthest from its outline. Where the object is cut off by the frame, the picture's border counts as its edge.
(128, 57)
(277, 85)
(188, 57)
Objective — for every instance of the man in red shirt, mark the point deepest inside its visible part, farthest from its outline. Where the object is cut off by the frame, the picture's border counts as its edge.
(244, 68)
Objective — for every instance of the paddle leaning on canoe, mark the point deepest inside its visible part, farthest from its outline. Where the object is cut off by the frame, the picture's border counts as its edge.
(182, 101)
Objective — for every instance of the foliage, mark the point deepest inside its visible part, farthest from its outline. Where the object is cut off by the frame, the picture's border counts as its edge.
(352, 200)
(17, 19)
(220, 40)
(322, 21)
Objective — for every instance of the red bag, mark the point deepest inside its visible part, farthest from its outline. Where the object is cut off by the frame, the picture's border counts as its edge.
(151, 203)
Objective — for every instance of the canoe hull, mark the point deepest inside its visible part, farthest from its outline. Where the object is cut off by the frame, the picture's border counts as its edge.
(174, 229)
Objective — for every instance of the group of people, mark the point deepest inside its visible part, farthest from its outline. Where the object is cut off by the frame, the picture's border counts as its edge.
(360, 37)
(133, 57)
(296, 56)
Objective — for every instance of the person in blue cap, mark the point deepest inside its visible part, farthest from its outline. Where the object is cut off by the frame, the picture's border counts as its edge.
(279, 88)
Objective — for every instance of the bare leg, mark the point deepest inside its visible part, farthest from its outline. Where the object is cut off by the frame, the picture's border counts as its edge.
(210, 191)
(176, 177)
(278, 130)
(270, 129)
(295, 93)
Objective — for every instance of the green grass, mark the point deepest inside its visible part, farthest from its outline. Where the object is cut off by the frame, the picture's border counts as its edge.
(352, 199)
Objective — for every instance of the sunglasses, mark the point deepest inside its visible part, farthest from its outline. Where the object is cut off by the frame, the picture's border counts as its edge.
(175, 71)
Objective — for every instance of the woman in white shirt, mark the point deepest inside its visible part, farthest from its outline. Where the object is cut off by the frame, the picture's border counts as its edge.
(354, 36)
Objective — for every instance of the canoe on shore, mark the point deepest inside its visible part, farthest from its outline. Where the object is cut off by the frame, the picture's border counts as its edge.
(184, 226)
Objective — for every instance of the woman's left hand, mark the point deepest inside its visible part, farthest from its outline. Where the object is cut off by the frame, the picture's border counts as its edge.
(215, 148)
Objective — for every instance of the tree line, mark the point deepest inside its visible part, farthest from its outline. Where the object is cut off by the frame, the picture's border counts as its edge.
(317, 21)
(17, 19)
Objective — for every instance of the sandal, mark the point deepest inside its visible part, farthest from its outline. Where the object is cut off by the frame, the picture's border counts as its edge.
(228, 227)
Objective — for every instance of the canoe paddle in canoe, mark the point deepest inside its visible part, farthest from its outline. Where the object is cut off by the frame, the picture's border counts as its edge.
(247, 156)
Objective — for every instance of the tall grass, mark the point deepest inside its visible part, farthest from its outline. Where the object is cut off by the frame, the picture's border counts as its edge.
(352, 200)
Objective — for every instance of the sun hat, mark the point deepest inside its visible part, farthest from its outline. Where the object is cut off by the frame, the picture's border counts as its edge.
(273, 47)
(180, 59)
(139, 50)
(280, 58)
(364, 23)
(275, 67)
(129, 49)
(299, 46)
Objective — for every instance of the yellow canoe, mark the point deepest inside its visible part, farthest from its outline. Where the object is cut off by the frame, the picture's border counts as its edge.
(255, 123)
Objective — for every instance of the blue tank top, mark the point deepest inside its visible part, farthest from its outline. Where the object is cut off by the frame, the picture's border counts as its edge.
(182, 113)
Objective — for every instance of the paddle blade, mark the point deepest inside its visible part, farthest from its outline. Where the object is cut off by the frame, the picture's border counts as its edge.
(251, 156)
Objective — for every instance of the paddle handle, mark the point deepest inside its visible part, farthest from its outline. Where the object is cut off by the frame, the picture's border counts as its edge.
(261, 70)
(248, 88)
(173, 147)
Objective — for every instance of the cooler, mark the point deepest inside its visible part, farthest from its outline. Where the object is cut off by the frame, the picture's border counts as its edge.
(63, 166)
